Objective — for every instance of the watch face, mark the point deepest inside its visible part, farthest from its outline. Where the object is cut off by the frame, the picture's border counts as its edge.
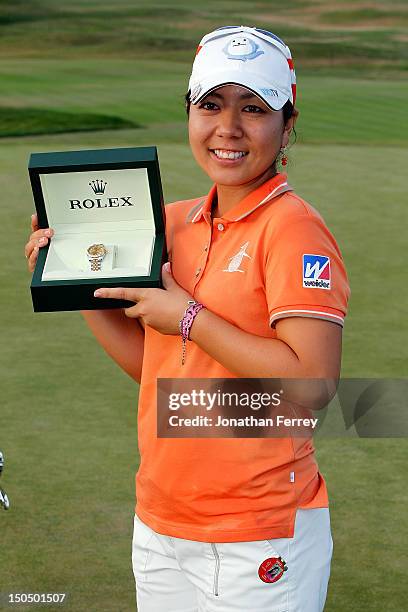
(97, 250)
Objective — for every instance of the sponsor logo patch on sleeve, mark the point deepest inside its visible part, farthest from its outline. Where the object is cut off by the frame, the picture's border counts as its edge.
(316, 271)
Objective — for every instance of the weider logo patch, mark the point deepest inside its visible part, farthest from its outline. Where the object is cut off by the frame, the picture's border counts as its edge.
(316, 271)
(272, 569)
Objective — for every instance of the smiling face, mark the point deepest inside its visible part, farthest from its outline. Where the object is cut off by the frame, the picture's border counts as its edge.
(235, 137)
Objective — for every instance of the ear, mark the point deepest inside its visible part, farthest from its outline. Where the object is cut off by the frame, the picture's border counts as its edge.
(289, 127)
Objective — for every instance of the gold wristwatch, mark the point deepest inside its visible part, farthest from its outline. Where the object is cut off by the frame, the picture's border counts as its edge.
(95, 254)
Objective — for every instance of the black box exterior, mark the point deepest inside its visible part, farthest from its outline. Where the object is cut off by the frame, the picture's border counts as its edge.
(77, 294)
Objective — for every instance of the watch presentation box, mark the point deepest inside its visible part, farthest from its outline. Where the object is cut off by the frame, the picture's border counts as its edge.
(106, 209)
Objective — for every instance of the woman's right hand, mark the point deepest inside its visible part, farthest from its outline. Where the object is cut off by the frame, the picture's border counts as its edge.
(38, 238)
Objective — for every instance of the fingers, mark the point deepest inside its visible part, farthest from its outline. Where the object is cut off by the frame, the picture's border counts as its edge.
(167, 277)
(133, 312)
(131, 294)
(32, 259)
(41, 233)
(38, 238)
(28, 249)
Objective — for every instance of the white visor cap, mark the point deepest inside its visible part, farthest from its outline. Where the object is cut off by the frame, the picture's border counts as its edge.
(250, 57)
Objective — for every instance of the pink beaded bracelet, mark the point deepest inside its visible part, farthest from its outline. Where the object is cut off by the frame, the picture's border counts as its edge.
(186, 322)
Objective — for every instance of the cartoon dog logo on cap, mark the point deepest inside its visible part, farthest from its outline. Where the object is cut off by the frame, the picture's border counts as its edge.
(242, 48)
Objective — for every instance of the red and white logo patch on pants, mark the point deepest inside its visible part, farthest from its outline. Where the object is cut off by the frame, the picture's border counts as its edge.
(271, 570)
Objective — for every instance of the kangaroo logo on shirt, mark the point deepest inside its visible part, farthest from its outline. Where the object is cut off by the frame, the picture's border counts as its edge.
(236, 260)
(316, 271)
(242, 48)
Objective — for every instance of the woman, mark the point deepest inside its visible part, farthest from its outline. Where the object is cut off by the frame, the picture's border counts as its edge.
(232, 524)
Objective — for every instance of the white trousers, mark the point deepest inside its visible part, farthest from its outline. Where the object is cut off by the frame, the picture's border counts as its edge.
(177, 575)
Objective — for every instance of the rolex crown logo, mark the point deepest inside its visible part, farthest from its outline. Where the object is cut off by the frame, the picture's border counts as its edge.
(98, 186)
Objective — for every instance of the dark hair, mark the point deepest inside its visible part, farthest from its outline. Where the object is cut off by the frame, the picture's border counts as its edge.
(287, 108)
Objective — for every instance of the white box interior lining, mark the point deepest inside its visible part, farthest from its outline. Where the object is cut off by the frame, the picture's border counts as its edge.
(121, 218)
(67, 257)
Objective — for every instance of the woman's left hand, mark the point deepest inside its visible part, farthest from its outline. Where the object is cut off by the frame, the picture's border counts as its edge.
(161, 309)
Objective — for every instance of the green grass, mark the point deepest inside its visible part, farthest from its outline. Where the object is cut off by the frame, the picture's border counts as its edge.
(127, 29)
(68, 415)
(333, 109)
(27, 121)
(353, 17)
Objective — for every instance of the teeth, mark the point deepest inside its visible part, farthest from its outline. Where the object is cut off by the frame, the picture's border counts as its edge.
(229, 154)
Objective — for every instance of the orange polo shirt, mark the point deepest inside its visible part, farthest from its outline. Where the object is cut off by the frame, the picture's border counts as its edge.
(271, 256)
